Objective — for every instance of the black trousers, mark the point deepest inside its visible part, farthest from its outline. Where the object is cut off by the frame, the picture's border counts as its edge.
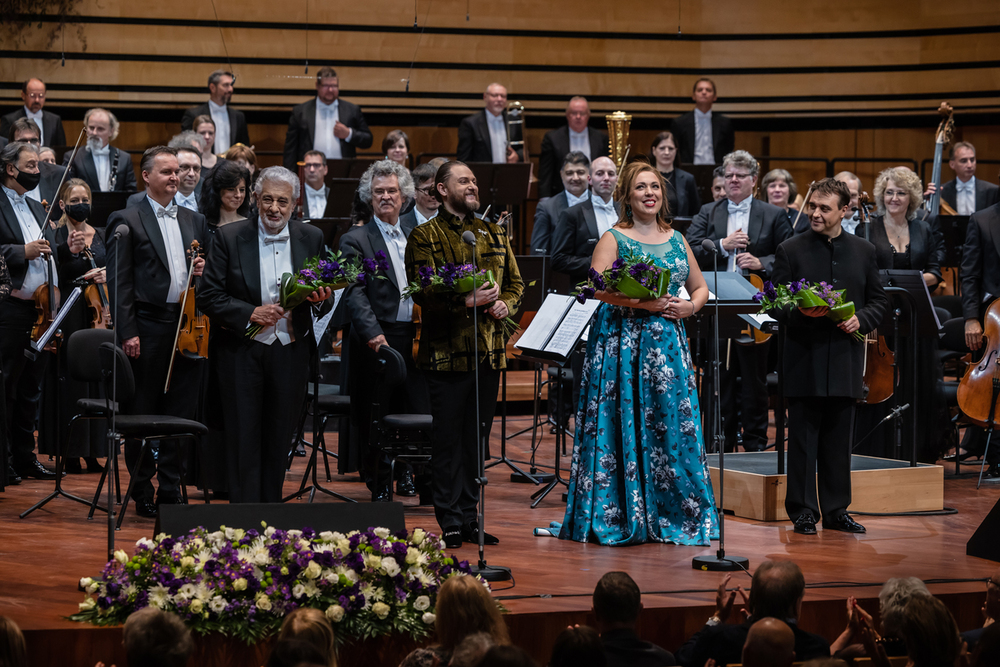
(22, 378)
(749, 405)
(156, 340)
(263, 389)
(455, 453)
(819, 445)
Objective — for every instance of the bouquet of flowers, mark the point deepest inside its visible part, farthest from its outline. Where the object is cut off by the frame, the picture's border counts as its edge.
(634, 275)
(317, 272)
(803, 294)
(458, 278)
(242, 583)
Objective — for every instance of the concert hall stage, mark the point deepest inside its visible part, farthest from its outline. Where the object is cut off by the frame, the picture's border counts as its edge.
(43, 556)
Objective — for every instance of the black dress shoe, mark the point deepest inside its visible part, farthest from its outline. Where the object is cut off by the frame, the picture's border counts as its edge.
(93, 465)
(36, 470)
(72, 466)
(805, 525)
(992, 472)
(169, 500)
(452, 537)
(146, 508)
(470, 533)
(381, 495)
(12, 477)
(843, 523)
(405, 485)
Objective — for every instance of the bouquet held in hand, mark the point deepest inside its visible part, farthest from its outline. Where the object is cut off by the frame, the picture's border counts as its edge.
(458, 278)
(803, 294)
(633, 275)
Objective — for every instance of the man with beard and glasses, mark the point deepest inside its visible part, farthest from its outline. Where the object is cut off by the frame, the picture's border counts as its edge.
(263, 378)
(230, 124)
(450, 346)
(100, 165)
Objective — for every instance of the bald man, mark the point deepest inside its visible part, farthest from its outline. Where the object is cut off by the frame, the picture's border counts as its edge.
(482, 137)
(575, 135)
(770, 643)
(33, 93)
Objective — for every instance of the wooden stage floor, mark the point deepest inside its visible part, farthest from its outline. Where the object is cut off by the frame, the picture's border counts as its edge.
(43, 556)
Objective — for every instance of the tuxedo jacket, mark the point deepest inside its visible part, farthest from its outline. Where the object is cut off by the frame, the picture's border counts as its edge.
(546, 215)
(987, 194)
(238, 133)
(723, 137)
(51, 177)
(305, 204)
(83, 167)
(980, 261)
(377, 300)
(230, 287)
(12, 240)
(574, 238)
(555, 146)
(52, 126)
(474, 143)
(686, 191)
(767, 228)
(142, 279)
(302, 130)
(724, 643)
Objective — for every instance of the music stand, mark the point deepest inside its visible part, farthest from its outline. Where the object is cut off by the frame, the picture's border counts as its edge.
(953, 228)
(103, 204)
(340, 199)
(348, 167)
(681, 224)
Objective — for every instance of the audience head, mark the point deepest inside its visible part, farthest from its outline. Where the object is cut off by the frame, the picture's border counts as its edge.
(740, 172)
(205, 126)
(220, 86)
(575, 173)
(189, 139)
(617, 601)
(293, 653)
(19, 166)
(770, 643)
(156, 638)
(495, 98)
(641, 190)
(311, 626)
(987, 650)
(930, 633)
(47, 155)
(465, 607)
(456, 188)
(779, 188)
(25, 129)
(386, 186)
(962, 160)
(101, 126)
(74, 202)
(663, 151)
(13, 652)
(578, 646)
(827, 206)
(243, 155)
(507, 656)
(898, 192)
(704, 94)
(776, 590)
(33, 93)
(275, 193)
(327, 85)
(437, 162)
(315, 169)
(470, 651)
(225, 187)
(896, 593)
(161, 173)
(603, 177)
(396, 146)
(577, 113)
(853, 184)
(423, 189)
(718, 183)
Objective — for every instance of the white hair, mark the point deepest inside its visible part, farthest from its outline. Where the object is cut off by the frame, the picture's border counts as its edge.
(382, 169)
(279, 175)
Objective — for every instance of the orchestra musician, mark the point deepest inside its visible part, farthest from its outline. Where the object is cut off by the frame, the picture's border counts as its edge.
(682, 191)
(482, 137)
(104, 167)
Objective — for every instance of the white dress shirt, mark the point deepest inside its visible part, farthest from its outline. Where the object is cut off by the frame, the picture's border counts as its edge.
(498, 137)
(604, 212)
(704, 152)
(166, 219)
(327, 116)
(739, 218)
(580, 141)
(965, 196)
(37, 117)
(275, 261)
(572, 200)
(35, 276)
(190, 202)
(102, 162)
(850, 223)
(420, 216)
(395, 241)
(220, 116)
(316, 200)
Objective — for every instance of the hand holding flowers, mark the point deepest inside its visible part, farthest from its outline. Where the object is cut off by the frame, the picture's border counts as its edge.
(633, 275)
(812, 300)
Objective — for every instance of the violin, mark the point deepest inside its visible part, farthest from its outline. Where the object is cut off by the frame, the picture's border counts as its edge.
(96, 298)
(46, 299)
(880, 362)
(191, 339)
(980, 386)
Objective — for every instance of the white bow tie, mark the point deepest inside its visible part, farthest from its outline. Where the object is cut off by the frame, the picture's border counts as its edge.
(271, 240)
(106, 150)
(964, 187)
(168, 212)
(742, 207)
(600, 203)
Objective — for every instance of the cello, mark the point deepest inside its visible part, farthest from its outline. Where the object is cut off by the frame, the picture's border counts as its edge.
(880, 362)
(191, 339)
(980, 386)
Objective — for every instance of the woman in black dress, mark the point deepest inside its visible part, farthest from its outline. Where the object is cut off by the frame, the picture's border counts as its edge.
(682, 192)
(224, 194)
(778, 189)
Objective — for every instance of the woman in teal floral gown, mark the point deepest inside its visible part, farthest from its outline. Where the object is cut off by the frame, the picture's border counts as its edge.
(639, 471)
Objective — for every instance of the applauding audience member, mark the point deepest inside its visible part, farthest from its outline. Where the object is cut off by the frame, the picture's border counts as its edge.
(770, 643)
(617, 603)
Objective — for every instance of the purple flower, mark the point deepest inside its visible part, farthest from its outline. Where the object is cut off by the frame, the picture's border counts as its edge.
(426, 276)
(307, 274)
(769, 291)
(597, 279)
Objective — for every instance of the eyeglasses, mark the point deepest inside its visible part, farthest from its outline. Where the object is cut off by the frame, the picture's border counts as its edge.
(892, 194)
(428, 191)
(736, 177)
(36, 96)
(379, 192)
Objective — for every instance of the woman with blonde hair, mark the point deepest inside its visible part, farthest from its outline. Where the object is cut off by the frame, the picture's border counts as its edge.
(313, 627)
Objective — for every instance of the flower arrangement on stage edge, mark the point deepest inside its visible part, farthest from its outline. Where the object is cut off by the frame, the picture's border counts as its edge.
(634, 275)
(317, 272)
(458, 278)
(242, 583)
(803, 294)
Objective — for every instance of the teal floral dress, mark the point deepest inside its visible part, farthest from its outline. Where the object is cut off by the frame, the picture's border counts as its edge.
(639, 471)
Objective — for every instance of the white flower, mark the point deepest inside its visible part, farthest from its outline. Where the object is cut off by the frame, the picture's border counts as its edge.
(294, 533)
(146, 542)
(196, 606)
(85, 583)
(121, 556)
(382, 532)
(313, 570)
(218, 604)
(390, 566)
(373, 561)
(271, 530)
(261, 557)
(380, 609)
(240, 584)
(418, 536)
(298, 590)
(428, 618)
(88, 604)
(187, 591)
(187, 562)
(263, 602)
(422, 603)
(311, 589)
(326, 536)
(159, 596)
(335, 613)
(178, 548)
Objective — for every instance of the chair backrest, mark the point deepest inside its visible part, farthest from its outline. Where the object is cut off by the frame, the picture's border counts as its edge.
(953, 335)
(113, 357)
(82, 356)
(392, 367)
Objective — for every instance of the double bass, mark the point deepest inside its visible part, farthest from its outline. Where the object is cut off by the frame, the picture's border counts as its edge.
(946, 128)
(880, 362)
(191, 339)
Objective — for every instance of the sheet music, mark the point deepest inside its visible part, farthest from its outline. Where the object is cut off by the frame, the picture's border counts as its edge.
(320, 324)
(758, 321)
(545, 320)
(572, 326)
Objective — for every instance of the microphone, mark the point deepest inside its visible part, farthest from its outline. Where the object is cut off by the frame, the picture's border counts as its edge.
(708, 246)
(469, 238)
(895, 413)
(121, 232)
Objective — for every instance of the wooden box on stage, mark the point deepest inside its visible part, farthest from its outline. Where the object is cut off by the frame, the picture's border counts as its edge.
(754, 490)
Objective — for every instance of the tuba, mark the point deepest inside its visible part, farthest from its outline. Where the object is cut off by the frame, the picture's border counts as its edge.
(618, 146)
(515, 128)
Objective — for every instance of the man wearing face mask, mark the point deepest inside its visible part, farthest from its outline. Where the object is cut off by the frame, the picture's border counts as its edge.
(575, 174)
(102, 166)
(145, 291)
(263, 378)
(26, 247)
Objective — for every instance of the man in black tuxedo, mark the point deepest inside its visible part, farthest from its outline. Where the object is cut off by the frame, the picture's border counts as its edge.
(580, 227)
(33, 93)
(574, 136)
(482, 137)
(377, 315)
(26, 130)
(146, 290)
(230, 124)
(425, 204)
(102, 166)
(617, 603)
(333, 126)
(575, 175)
(26, 247)
(823, 364)
(316, 189)
(188, 180)
(746, 232)
(703, 136)
(965, 193)
(263, 378)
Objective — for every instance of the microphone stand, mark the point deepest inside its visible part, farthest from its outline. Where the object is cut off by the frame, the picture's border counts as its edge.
(487, 572)
(720, 562)
(120, 233)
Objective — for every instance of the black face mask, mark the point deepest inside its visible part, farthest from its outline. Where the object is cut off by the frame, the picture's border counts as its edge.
(26, 180)
(79, 212)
